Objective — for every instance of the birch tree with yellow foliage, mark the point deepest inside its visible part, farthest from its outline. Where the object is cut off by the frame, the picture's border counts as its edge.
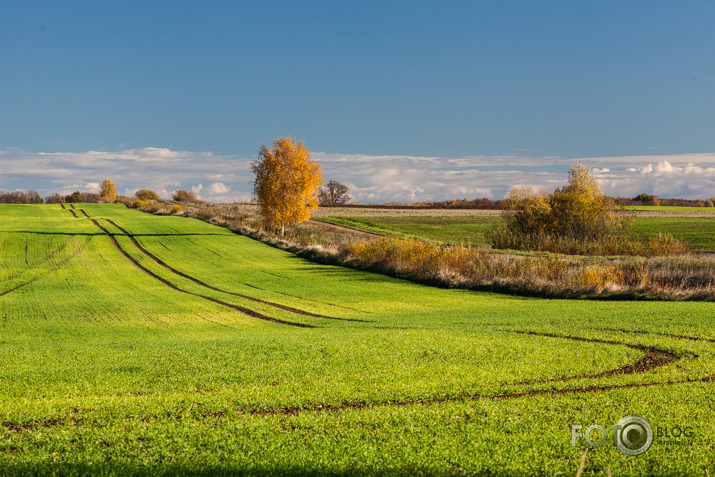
(287, 183)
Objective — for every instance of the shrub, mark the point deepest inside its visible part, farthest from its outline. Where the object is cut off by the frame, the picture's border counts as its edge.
(575, 219)
(184, 195)
(146, 194)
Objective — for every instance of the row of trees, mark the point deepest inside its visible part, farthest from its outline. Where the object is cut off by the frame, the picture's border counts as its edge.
(107, 193)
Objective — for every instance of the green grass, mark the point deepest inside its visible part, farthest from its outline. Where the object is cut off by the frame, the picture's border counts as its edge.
(108, 370)
(670, 208)
(699, 232)
(437, 228)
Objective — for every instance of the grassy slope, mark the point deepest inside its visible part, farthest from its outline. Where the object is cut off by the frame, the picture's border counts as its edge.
(106, 368)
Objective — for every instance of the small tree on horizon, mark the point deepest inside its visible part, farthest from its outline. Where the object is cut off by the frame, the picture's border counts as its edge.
(108, 191)
(334, 193)
(183, 195)
(286, 184)
(146, 194)
(54, 199)
(75, 197)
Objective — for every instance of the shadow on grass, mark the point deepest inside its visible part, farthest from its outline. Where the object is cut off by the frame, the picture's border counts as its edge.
(195, 469)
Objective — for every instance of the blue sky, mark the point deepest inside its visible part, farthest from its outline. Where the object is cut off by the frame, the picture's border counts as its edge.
(490, 91)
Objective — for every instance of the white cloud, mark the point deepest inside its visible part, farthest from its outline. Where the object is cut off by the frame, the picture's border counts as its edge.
(375, 179)
(217, 188)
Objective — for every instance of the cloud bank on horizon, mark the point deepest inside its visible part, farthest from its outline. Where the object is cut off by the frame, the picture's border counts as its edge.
(372, 179)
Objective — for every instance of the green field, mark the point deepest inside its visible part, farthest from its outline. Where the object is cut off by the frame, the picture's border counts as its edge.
(699, 232)
(449, 229)
(133, 344)
(671, 208)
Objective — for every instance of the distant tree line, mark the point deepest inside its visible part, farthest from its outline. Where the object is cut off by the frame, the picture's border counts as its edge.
(19, 197)
(482, 203)
(650, 199)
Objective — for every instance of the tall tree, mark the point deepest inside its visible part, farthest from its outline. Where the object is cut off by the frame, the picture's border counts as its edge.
(334, 193)
(108, 191)
(286, 184)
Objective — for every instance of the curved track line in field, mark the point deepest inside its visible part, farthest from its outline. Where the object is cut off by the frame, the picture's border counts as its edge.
(85, 213)
(73, 213)
(16, 288)
(669, 335)
(654, 358)
(62, 205)
(350, 405)
(245, 311)
(55, 266)
(210, 287)
(314, 407)
(71, 206)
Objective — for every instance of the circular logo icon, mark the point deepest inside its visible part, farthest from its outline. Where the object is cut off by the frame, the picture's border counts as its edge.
(635, 435)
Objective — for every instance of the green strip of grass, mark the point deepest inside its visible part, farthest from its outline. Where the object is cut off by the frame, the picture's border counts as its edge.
(699, 232)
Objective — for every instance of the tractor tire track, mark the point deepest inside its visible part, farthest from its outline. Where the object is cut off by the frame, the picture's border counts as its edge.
(669, 335)
(654, 358)
(73, 213)
(240, 309)
(210, 287)
(85, 213)
(55, 267)
(17, 287)
(315, 407)
(35, 424)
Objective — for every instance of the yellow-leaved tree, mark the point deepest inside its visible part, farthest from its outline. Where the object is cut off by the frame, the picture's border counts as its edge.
(287, 183)
(108, 191)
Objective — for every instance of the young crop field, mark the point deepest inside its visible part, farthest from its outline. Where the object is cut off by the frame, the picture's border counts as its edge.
(698, 231)
(449, 229)
(671, 208)
(134, 344)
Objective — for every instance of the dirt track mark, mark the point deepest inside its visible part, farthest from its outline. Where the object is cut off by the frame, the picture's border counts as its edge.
(245, 311)
(85, 213)
(654, 358)
(317, 301)
(63, 206)
(16, 288)
(210, 287)
(72, 206)
(56, 267)
(669, 335)
(315, 407)
(73, 213)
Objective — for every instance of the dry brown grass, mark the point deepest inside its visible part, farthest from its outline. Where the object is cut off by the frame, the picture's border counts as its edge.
(459, 266)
